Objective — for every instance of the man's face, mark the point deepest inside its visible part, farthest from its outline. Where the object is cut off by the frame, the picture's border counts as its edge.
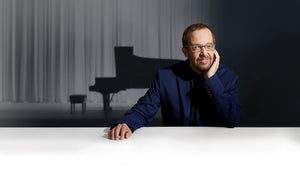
(202, 60)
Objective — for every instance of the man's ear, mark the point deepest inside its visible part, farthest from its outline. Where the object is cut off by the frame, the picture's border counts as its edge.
(185, 52)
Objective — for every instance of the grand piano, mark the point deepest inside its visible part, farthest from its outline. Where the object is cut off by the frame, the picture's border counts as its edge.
(131, 72)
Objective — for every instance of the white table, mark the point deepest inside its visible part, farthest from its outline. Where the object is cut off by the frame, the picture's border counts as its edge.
(151, 147)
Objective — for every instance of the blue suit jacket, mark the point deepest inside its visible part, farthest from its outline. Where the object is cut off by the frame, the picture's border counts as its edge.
(170, 91)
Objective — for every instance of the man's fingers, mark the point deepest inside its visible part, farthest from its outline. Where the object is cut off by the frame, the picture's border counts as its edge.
(112, 134)
(117, 132)
(123, 131)
(120, 132)
(217, 55)
(127, 134)
(215, 65)
(109, 134)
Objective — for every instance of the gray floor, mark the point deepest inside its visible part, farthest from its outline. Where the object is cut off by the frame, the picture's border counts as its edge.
(59, 115)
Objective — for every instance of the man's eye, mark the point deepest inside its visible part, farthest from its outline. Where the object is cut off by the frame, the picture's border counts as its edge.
(209, 46)
(195, 47)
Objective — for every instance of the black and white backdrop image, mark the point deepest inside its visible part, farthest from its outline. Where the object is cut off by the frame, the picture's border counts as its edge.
(51, 49)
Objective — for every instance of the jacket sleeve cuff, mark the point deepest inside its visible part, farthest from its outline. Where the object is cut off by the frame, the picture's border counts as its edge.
(213, 86)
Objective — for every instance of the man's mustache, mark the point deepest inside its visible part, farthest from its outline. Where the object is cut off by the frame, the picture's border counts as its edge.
(203, 57)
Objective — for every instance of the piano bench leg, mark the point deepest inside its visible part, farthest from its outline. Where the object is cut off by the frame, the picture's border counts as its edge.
(72, 108)
(83, 107)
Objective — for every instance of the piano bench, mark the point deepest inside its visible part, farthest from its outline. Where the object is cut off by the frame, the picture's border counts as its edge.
(78, 99)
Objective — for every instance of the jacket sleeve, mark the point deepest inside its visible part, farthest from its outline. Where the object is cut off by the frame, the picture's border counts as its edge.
(145, 109)
(225, 99)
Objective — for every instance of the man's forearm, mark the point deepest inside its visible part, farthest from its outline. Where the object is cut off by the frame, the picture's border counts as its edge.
(225, 101)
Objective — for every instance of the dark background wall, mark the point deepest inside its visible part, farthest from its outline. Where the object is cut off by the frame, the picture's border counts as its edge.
(260, 41)
(257, 39)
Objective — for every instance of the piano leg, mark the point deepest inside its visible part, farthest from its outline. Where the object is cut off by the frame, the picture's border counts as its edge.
(106, 101)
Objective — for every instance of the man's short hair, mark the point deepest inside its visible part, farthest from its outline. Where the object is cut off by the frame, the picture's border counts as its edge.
(192, 28)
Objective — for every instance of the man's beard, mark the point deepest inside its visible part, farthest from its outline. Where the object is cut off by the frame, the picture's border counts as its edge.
(197, 67)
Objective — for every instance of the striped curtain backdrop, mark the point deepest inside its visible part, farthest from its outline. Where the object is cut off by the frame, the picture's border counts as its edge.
(50, 49)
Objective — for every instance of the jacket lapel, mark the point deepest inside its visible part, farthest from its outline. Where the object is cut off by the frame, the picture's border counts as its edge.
(184, 88)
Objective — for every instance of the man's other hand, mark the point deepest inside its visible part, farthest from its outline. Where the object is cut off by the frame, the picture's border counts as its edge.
(119, 132)
(214, 67)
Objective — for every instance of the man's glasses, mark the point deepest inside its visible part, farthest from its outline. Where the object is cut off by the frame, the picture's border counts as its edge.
(198, 48)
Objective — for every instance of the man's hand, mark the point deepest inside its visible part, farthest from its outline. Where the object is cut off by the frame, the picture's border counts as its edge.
(121, 131)
(214, 67)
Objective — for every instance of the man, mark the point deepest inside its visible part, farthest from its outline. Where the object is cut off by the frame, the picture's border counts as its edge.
(197, 92)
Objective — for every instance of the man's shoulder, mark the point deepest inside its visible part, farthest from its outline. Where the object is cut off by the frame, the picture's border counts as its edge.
(226, 73)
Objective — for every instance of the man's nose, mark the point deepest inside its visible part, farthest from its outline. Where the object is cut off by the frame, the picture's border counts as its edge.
(203, 52)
